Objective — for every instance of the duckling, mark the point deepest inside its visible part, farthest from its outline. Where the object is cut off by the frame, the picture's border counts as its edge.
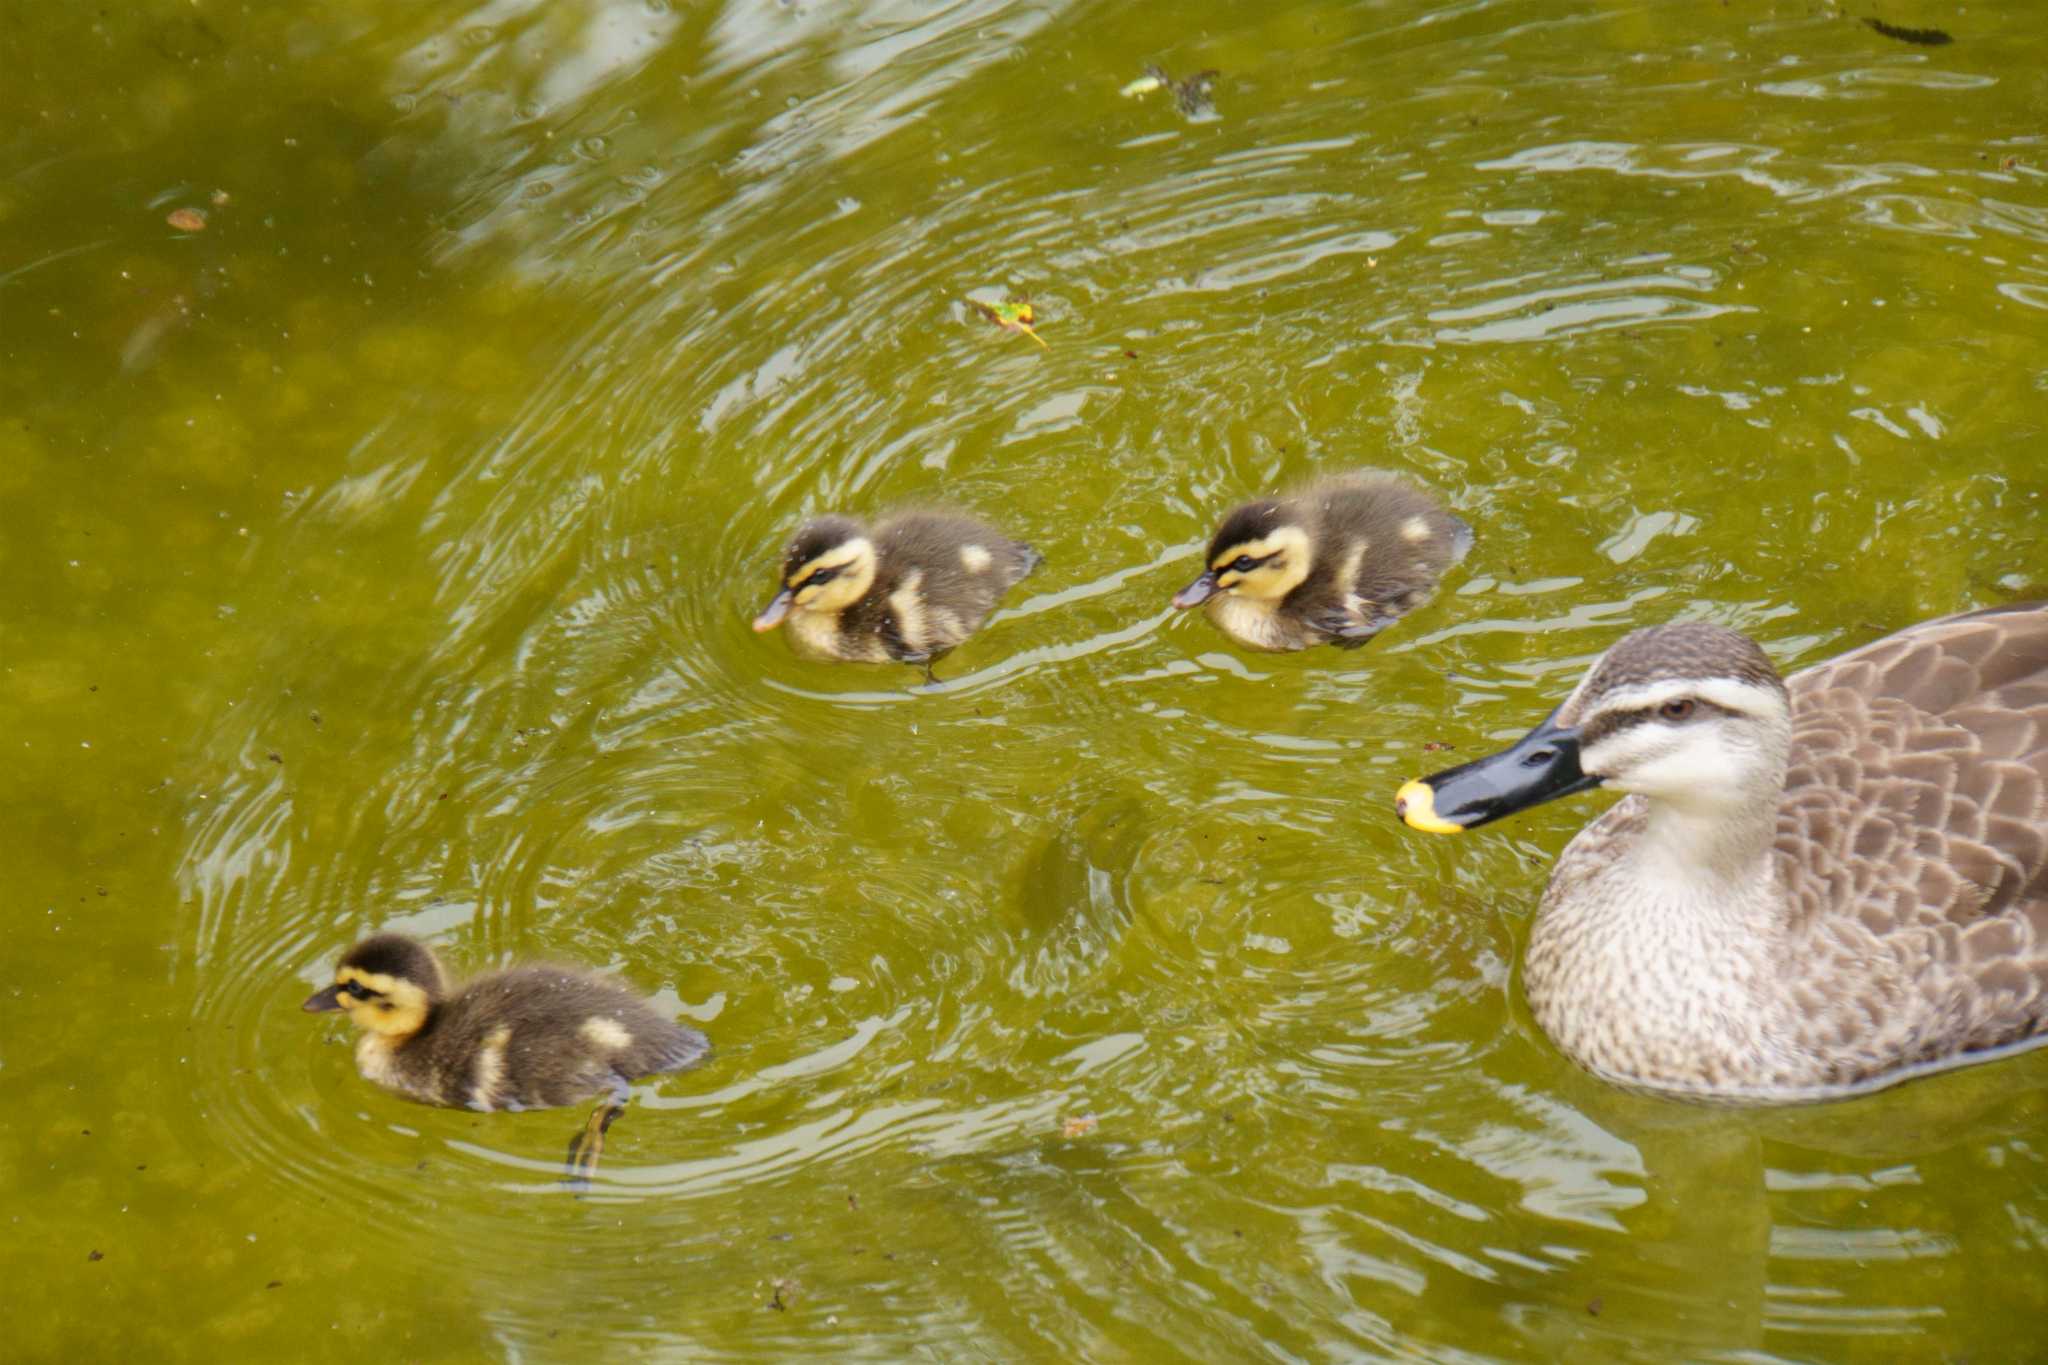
(910, 589)
(526, 1038)
(1338, 560)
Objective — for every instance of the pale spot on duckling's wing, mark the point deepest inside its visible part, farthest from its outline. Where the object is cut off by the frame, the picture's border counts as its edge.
(1347, 567)
(1415, 530)
(489, 1074)
(975, 558)
(907, 607)
(608, 1034)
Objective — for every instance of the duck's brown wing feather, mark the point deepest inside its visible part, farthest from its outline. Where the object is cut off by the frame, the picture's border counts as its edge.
(1915, 821)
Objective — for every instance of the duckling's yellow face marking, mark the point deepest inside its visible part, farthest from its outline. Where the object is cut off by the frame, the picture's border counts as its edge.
(381, 1004)
(608, 1034)
(1267, 568)
(975, 558)
(836, 579)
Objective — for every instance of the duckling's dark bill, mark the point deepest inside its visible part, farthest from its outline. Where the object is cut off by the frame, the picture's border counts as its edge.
(1542, 765)
(324, 1002)
(1197, 592)
(777, 608)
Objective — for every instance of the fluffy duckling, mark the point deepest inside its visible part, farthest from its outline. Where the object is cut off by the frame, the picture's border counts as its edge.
(1338, 560)
(525, 1038)
(909, 589)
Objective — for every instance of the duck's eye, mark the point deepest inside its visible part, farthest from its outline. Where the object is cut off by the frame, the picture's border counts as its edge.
(1244, 564)
(822, 576)
(1681, 709)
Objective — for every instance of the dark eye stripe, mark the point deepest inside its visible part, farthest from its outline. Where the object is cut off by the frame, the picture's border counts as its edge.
(1616, 722)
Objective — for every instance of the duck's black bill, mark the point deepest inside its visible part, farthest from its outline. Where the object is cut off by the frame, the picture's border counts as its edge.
(777, 608)
(1542, 765)
(323, 1002)
(1197, 592)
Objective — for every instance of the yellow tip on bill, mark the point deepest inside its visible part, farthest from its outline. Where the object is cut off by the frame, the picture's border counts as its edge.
(1416, 804)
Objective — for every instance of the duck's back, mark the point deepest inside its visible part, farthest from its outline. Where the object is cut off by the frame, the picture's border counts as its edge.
(539, 1036)
(1914, 827)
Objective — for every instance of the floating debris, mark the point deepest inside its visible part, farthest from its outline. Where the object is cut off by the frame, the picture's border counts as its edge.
(187, 220)
(1012, 315)
(1190, 96)
(1924, 37)
(1080, 1125)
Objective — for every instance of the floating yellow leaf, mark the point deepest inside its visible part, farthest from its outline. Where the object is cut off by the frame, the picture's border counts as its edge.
(186, 220)
(1012, 315)
(1078, 1126)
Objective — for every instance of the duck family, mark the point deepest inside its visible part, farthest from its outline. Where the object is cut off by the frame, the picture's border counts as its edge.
(1814, 886)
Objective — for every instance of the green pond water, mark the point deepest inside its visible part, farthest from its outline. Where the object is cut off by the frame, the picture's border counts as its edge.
(381, 554)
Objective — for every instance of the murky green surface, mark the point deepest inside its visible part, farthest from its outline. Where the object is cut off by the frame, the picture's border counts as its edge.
(381, 555)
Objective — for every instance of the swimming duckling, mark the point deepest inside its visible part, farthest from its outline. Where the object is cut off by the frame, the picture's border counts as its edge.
(1339, 560)
(911, 589)
(1818, 885)
(525, 1038)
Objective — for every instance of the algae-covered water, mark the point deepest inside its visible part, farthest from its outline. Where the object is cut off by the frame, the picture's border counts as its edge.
(379, 553)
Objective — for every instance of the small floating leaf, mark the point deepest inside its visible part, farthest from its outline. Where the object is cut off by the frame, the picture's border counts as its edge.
(1078, 1126)
(187, 220)
(1012, 315)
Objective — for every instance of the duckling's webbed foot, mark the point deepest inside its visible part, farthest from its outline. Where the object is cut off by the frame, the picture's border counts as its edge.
(588, 1144)
(1349, 632)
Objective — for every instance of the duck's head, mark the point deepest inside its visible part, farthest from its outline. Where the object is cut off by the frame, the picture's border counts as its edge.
(1262, 550)
(1692, 716)
(827, 568)
(388, 984)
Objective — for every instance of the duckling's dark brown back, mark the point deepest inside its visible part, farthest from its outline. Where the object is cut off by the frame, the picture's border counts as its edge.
(540, 1036)
(1408, 539)
(963, 566)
